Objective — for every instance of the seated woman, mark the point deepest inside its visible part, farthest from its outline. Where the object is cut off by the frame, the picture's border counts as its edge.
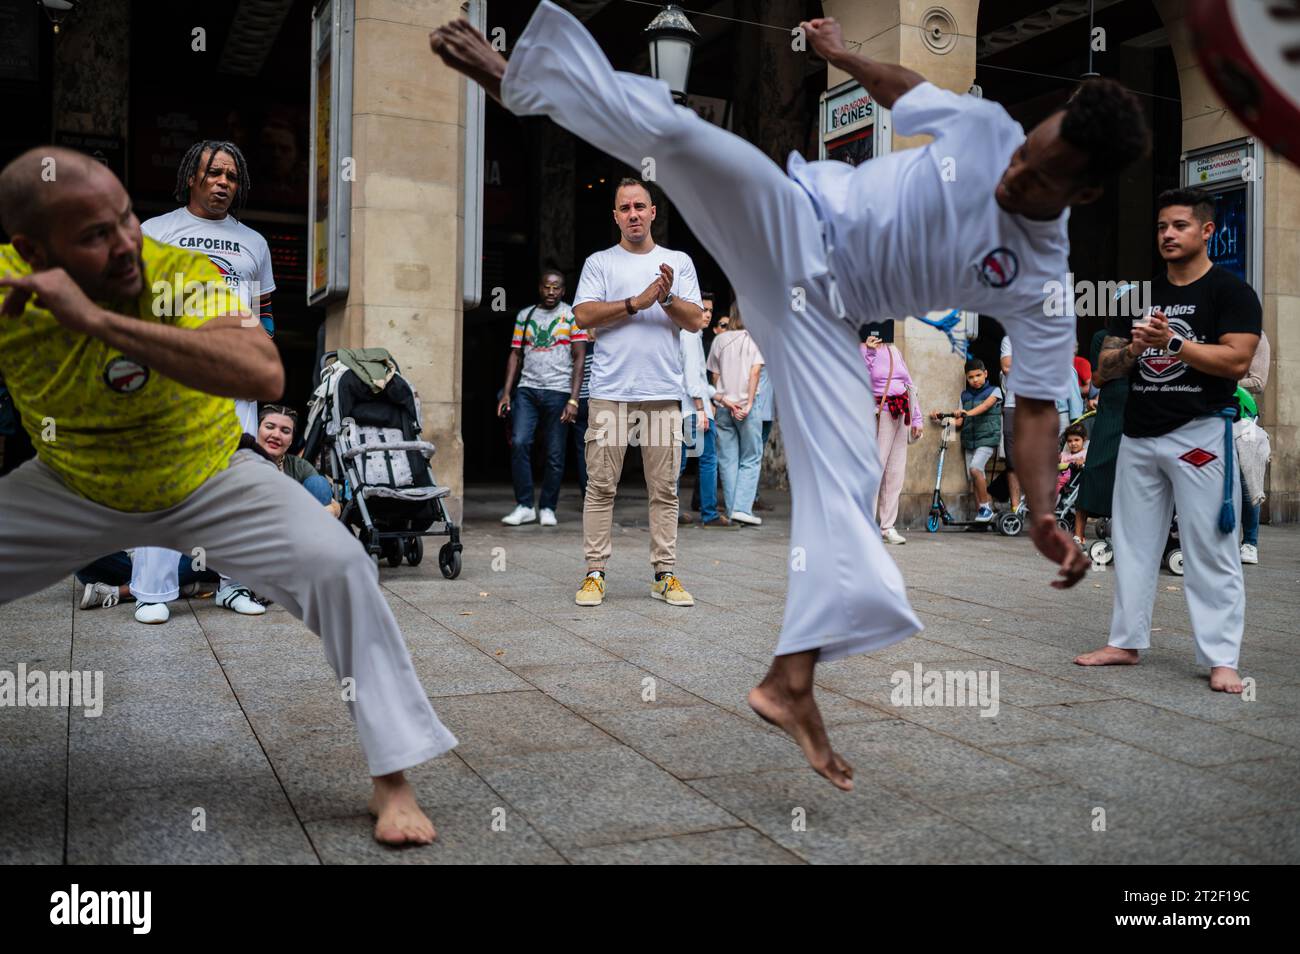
(275, 426)
(106, 582)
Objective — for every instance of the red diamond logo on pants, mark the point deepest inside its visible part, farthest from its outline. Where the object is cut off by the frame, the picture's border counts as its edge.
(1197, 457)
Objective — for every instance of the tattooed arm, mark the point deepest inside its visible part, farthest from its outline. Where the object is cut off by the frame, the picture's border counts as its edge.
(1115, 360)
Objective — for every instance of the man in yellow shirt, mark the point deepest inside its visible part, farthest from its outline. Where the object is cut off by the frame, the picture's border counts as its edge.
(123, 357)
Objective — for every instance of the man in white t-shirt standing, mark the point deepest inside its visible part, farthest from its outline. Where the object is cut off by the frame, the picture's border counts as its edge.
(211, 180)
(638, 295)
(896, 235)
(1015, 498)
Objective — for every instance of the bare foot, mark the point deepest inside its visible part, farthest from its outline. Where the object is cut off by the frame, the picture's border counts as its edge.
(467, 51)
(798, 716)
(1108, 656)
(1224, 679)
(398, 818)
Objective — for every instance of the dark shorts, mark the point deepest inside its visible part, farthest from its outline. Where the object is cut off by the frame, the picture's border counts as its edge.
(1008, 436)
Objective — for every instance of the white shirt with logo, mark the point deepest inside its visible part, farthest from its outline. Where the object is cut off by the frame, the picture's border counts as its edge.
(238, 252)
(920, 230)
(639, 358)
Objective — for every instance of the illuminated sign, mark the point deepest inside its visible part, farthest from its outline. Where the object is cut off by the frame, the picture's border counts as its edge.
(1202, 170)
(847, 112)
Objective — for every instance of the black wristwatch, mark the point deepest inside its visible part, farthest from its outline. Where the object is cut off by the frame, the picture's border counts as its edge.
(1175, 345)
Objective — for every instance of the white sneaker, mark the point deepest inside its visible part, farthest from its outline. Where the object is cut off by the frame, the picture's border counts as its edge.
(520, 514)
(892, 536)
(1249, 553)
(749, 518)
(152, 613)
(96, 595)
(547, 517)
(240, 599)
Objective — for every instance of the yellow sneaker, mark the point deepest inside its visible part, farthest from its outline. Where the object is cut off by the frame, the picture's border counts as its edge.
(592, 591)
(671, 591)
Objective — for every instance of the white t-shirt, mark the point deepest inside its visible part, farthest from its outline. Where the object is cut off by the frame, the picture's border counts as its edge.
(238, 252)
(639, 358)
(1004, 351)
(920, 230)
(732, 358)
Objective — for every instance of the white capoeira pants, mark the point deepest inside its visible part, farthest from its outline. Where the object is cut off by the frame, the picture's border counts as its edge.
(1153, 475)
(154, 569)
(303, 558)
(845, 593)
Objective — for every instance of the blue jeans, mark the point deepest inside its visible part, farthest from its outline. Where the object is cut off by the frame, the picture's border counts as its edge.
(115, 570)
(740, 458)
(1249, 518)
(530, 408)
(318, 487)
(708, 455)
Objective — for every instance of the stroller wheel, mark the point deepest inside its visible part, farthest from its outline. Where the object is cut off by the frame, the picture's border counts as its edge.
(449, 561)
(1103, 528)
(1065, 523)
(1010, 524)
(414, 551)
(392, 550)
(1101, 552)
(932, 523)
(1175, 561)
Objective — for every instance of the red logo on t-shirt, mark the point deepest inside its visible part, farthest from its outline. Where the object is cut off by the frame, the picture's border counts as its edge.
(1198, 458)
(124, 375)
(999, 268)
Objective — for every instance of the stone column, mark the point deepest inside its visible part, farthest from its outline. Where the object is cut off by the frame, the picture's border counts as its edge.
(92, 69)
(892, 31)
(1205, 122)
(557, 175)
(405, 282)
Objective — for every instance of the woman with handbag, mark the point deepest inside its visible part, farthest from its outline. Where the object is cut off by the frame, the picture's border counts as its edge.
(897, 421)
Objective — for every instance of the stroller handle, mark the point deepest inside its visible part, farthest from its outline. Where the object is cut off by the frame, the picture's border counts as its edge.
(424, 447)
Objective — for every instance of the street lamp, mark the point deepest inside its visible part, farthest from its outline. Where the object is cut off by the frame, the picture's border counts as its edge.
(672, 39)
(58, 10)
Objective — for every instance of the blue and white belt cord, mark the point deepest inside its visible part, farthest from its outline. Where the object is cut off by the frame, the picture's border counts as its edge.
(1227, 514)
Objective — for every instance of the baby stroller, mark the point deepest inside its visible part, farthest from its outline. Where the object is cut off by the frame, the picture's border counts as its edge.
(1102, 551)
(363, 432)
(1065, 500)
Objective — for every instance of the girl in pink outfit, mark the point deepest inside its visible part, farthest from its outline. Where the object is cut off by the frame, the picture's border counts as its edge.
(1073, 455)
(894, 415)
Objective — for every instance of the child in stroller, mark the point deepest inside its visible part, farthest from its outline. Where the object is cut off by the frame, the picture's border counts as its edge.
(1074, 453)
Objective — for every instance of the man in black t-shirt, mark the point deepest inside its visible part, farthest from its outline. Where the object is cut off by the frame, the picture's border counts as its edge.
(1183, 363)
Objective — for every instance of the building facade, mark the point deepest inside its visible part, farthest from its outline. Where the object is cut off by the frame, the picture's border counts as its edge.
(132, 82)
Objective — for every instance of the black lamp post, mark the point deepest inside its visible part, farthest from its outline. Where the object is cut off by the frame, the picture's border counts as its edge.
(672, 40)
(58, 10)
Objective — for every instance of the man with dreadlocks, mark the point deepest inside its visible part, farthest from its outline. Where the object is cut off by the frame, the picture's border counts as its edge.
(211, 180)
(896, 235)
(149, 451)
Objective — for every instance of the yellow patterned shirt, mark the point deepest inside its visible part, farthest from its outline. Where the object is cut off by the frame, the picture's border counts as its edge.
(119, 433)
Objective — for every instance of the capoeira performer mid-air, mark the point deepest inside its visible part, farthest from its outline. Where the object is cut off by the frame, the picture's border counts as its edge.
(976, 219)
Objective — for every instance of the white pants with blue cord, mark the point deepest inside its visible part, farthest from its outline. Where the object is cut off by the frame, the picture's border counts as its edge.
(1153, 475)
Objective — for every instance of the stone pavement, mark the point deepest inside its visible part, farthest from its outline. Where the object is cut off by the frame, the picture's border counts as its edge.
(239, 718)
